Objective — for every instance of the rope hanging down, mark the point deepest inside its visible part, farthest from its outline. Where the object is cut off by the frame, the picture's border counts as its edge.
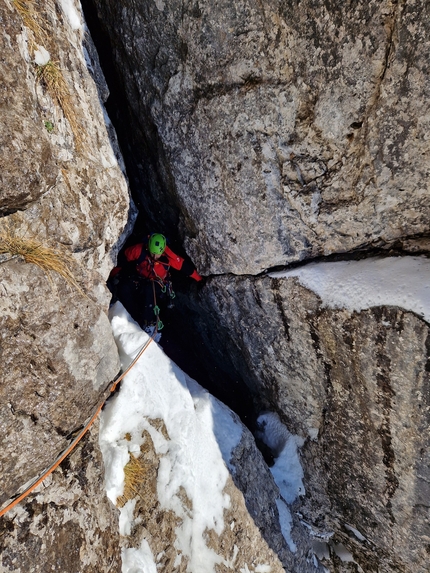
(81, 434)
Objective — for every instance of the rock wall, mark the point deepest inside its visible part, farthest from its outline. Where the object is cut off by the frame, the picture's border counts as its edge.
(356, 386)
(269, 133)
(64, 205)
(68, 525)
(285, 130)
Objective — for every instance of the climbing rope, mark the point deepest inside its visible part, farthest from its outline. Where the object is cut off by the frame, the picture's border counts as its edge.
(81, 434)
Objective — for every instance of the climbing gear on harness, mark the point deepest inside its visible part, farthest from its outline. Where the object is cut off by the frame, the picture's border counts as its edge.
(160, 325)
(170, 289)
(157, 244)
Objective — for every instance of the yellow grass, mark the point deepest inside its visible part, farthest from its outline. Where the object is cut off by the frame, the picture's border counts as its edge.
(53, 78)
(50, 74)
(134, 475)
(47, 258)
(32, 20)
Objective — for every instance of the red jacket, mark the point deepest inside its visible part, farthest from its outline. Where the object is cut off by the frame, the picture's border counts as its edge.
(157, 269)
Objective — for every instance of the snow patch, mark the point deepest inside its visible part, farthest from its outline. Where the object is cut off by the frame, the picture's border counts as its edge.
(41, 56)
(201, 434)
(286, 522)
(313, 434)
(139, 560)
(69, 9)
(344, 555)
(258, 569)
(358, 285)
(287, 470)
(126, 517)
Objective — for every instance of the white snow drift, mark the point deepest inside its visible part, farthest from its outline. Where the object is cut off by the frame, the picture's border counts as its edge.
(191, 457)
(358, 285)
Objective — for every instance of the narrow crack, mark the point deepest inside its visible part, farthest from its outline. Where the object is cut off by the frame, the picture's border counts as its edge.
(390, 47)
(394, 249)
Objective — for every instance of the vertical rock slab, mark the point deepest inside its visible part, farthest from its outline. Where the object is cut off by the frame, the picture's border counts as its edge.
(62, 170)
(68, 525)
(58, 360)
(355, 386)
(64, 202)
(284, 130)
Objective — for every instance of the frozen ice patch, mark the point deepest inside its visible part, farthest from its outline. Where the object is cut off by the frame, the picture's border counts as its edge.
(344, 555)
(354, 531)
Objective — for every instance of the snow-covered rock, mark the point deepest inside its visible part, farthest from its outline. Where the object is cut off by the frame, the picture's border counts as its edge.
(205, 498)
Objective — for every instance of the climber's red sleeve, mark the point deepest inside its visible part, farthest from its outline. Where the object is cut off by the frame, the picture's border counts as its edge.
(174, 260)
(196, 276)
(133, 253)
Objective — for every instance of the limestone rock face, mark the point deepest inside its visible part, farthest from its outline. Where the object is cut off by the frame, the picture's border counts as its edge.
(284, 130)
(63, 194)
(61, 170)
(58, 360)
(356, 387)
(68, 525)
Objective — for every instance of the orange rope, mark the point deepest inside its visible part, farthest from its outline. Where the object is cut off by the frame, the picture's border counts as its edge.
(78, 437)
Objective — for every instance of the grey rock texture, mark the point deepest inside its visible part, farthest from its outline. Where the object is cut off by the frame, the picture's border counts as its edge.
(62, 188)
(285, 130)
(271, 133)
(58, 359)
(68, 524)
(356, 387)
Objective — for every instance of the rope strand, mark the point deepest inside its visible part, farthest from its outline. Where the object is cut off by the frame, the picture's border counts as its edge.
(81, 434)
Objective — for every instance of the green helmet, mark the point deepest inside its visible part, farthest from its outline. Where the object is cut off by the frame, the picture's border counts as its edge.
(156, 244)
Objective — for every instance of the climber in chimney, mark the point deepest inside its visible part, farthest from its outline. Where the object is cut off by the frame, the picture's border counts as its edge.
(142, 282)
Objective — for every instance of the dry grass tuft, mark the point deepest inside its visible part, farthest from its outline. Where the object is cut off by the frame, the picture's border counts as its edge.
(47, 258)
(32, 20)
(51, 75)
(134, 475)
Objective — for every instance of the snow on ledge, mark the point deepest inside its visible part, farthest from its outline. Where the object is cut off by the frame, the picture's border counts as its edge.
(202, 433)
(287, 470)
(358, 285)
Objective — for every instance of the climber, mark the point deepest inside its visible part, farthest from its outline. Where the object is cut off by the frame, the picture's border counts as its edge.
(142, 282)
